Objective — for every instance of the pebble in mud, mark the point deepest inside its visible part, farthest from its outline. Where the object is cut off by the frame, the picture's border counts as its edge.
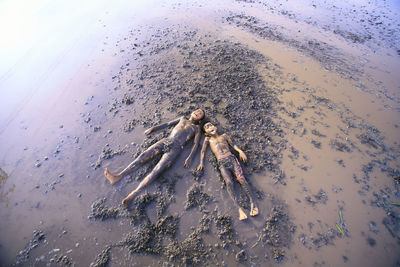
(371, 241)
(241, 256)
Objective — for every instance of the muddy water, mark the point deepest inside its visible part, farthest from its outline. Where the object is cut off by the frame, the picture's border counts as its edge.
(323, 83)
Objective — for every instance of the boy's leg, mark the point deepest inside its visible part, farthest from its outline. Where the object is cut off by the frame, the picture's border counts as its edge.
(164, 163)
(228, 178)
(246, 187)
(148, 154)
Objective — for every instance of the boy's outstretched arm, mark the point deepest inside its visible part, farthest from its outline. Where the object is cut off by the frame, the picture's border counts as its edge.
(161, 126)
(242, 155)
(203, 153)
(195, 145)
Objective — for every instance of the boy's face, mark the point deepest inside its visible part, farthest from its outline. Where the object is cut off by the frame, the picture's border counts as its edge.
(197, 115)
(210, 128)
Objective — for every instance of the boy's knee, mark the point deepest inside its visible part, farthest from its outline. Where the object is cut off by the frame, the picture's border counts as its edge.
(228, 182)
(241, 180)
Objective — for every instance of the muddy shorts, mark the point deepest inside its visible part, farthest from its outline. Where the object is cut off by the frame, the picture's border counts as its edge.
(231, 165)
(168, 145)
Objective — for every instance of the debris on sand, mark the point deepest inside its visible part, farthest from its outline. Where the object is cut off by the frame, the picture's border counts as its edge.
(130, 125)
(320, 197)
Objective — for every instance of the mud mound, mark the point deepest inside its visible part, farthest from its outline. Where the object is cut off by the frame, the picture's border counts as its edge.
(277, 233)
(219, 76)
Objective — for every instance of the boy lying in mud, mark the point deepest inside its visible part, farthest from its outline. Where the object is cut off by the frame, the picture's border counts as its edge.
(228, 165)
(170, 147)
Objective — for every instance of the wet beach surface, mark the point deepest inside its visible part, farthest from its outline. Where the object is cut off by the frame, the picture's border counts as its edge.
(308, 91)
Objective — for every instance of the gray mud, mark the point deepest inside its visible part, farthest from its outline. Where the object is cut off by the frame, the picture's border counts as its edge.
(307, 91)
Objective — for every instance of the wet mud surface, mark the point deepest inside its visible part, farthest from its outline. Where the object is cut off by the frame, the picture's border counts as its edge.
(308, 92)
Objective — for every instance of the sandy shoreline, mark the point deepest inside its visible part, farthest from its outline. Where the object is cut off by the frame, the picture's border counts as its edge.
(310, 93)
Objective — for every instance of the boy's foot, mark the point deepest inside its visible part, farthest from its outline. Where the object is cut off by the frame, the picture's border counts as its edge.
(112, 178)
(129, 198)
(254, 211)
(242, 215)
(126, 202)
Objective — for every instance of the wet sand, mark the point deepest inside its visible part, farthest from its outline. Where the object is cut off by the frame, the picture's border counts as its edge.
(308, 91)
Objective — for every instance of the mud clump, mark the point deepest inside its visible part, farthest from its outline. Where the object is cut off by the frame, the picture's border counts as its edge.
(37, 238)
(241, 256)
(339, 146)
(224, 227)
(102, 259)
(147, 237)
(277, 233)
(392, 219)
(196, 197)
(100, 212)
(191, 251)
(129, 126)
(107, 153)
(320, 240)
(320, 197)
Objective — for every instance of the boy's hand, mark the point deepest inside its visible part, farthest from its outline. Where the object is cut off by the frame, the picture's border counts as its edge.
(242, 156)
(148, 131)
(200, 167)
(187, 162)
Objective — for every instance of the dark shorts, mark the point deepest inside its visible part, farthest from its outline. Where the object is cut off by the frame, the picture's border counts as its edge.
(231, 165)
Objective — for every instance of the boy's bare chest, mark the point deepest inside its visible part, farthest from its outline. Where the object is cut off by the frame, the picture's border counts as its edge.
(219, 144)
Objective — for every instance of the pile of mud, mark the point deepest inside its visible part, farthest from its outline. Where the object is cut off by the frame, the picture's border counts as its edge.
(190, 70)
(159, 238)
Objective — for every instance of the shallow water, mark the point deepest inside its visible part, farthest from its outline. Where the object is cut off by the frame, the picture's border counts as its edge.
(67, 70)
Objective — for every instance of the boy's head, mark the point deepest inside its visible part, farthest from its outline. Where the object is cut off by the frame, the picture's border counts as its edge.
(210, 129)
(197, 115)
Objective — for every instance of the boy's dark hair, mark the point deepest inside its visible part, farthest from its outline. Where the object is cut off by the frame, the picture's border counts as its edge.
(204, 123)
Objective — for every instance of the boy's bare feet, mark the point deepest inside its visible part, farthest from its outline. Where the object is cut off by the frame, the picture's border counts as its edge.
(129, 198)
(112, 178)
(242, 215)
(126, 202)
(254, 211)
